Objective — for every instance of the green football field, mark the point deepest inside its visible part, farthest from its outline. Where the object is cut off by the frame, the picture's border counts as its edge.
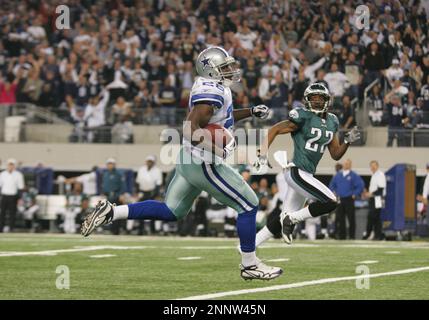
(131, 267)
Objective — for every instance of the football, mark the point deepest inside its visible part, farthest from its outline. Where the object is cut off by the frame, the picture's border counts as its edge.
(220, 136)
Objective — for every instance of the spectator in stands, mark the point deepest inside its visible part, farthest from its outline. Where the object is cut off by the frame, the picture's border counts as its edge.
(11, 185)
(279, 98)
(373, 63)
(376, 106)
(408, 81)
(113, 187)
(82, 90)
(33, 86)
(338, 83)
(320, 78)
(394, 72)
(297, 92)
(8, 88)
(254, 98)
(346, 114)
(270, 69)
(186, 75)
(121, 109)
(251, 75)
(168, 99)
(397, 120)
(418, 119)
(78, 118)
(410, 103)
(353, 72)
(36, 32)
(266, 82)
(122, 131)
(309, 69)
(49, 96)
(424, 94)
(347, 186)
(416, 73)
(246, 36)
(95, 116)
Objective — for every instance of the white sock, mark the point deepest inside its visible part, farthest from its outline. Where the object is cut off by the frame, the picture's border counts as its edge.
(300, 215)
(120, 212)
(248, 258)
(263, 235)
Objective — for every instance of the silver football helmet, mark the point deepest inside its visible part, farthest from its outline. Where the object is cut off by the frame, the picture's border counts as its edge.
(314, 105)
(215, 63)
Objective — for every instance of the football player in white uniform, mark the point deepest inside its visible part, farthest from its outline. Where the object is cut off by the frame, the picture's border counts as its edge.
(210, 102)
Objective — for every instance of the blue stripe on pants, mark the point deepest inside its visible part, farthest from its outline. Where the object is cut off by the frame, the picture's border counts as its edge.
(218, 187)
(229, 187)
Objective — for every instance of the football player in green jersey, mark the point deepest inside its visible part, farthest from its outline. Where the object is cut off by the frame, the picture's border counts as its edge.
(312, 129)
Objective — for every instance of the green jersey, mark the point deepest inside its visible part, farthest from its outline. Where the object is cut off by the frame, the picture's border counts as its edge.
(311, 138)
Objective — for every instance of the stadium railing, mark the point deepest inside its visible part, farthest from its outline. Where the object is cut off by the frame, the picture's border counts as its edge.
(39, 124)
(365, 109)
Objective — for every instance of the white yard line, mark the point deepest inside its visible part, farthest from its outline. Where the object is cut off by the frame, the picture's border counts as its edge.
(189, 258)
(78, 249)
(223, 247)
(277, 260)
(367, 262)
(97, 256)
(301, 284)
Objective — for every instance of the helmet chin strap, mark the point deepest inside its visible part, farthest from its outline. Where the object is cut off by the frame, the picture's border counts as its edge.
(325, 108)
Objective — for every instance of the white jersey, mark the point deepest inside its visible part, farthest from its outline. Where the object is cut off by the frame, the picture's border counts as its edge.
(220, 97)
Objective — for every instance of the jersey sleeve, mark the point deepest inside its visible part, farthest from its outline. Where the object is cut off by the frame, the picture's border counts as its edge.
(336, 122)
(297, 116)
(209, 93)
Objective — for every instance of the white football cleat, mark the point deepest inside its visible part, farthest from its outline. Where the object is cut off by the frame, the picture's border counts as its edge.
(287, 227)
(102, 215)
(260, 271)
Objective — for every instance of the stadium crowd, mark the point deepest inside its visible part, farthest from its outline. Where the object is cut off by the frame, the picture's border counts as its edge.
(125, 62)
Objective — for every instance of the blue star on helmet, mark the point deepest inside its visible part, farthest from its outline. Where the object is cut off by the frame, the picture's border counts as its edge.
(205, 62)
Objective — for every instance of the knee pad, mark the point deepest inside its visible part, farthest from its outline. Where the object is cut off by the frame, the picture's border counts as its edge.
(319, 208)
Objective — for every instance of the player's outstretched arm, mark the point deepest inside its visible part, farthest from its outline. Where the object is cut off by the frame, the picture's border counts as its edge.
(240, 114)
(336, 149)
(260, 111)
(282, 127)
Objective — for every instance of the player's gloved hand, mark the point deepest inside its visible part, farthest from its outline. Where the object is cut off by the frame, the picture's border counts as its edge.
(261, 163)
(260, 111)
(229, 149)
(352, 136)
